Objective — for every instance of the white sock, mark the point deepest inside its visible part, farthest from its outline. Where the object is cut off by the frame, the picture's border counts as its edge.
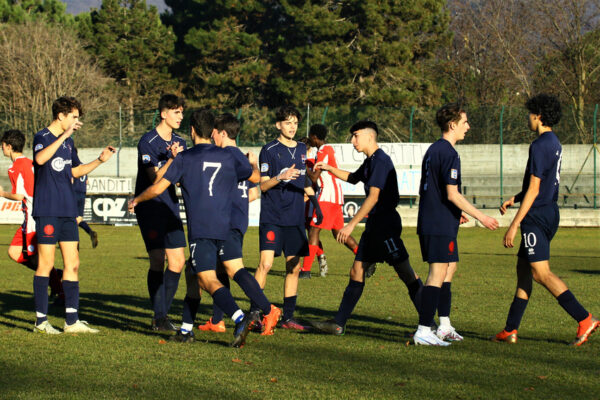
(186, 327)
(445, 322)
(424, 329)
(237, 316)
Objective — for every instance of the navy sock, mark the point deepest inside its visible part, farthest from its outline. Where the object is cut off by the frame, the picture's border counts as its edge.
(414, 292)
(156, 290)
(349, 299)
(217, 315)
(71, 289)
(190, 309)
(171, 282)
(224, 300)
(83, 225)
(430, 298)
(515, 313)
(289, 306)
(445, 302)
(40, 297)
(568, 301)
(249, 285)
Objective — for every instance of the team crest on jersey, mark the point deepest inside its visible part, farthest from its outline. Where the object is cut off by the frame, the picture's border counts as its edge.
(58, 164)
(453, 173)
(303, 157)
(38, 147)
(31, 248)
(264, 167)
(145, 158)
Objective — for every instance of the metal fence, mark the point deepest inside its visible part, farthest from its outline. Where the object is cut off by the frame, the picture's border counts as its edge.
(489, 124)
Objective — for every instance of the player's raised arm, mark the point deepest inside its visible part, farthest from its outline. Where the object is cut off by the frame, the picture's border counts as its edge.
(150, 193)
(339, 173)
(459, 201)
(43, 155)
(84, 169)
(287, 174)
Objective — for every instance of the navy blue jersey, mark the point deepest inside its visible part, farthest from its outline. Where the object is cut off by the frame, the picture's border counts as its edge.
(79, 184)
(545, 156)
(153, 152)
(209, 177)
(283, 204)
(239, 210)
(54, 195)
(378, 171)
(437, 214)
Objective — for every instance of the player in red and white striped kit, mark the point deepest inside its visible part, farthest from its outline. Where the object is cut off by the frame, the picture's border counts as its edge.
(330, 197)
(23, 247)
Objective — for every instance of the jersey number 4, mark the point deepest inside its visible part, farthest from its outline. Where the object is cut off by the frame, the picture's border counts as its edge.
(217, 166)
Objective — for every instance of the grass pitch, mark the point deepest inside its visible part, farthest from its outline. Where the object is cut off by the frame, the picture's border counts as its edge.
(127, 360)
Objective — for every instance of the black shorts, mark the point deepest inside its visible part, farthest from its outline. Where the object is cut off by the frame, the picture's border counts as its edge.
(51, 230)
(438, 249)
(380, 242)
(160, 228)
(232, 246)
(80, 198)
(289, 239)
(204, 254)
(537, 230)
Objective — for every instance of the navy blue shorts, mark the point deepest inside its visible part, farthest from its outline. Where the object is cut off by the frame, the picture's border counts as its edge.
(51, 230)
(80, 198)
(380, 242)
(289, 239)
(438, 249)
(537, 230)
(232, 247)
(204, 254)
(160, 228)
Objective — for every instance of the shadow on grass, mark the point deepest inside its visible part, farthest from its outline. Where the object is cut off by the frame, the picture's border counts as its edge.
(587, 271)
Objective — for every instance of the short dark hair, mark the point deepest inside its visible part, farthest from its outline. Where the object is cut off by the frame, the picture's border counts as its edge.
(364, 124)
(203, 122)
(15, 138)
(65, 105)
(170, 102)
(547, 106)
(283, 113)
(318, 130)
(450, 112)
(229, 123)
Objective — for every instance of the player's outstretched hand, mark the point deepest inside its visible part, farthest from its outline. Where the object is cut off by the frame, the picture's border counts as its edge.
(490, 223)
(107, 153)
(463, 219)
(508, 203)
(131, 205)
(252, 158)
(76, 125)
(323, 166)
(290, 173)
(509, 237)
(344, 233)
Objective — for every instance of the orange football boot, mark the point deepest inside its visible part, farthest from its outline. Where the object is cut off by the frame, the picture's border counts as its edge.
(508, 337)
(270, 320)
(585, 329)
(209, 326)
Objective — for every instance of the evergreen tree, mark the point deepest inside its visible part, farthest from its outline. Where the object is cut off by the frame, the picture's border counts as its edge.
(20, 11)
(134, 48)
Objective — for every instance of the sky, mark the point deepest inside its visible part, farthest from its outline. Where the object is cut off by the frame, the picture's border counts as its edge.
(78, 6)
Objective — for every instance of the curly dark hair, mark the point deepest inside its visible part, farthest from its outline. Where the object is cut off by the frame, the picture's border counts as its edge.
(450, 112)
(285, 112)
(547, 107)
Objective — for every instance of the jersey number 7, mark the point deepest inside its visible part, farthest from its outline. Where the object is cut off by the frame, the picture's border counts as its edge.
(217, 166)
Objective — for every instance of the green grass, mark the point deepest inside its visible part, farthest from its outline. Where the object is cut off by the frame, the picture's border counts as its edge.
(127, 360)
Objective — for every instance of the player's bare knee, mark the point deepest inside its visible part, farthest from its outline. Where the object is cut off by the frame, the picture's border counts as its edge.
(265, 267)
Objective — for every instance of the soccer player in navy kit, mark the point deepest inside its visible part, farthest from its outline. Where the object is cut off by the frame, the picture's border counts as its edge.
(227, 128)
(381, 239)
(538, 218)
(158, 219)
(281, 228)
(209, 177)
(55, 211)
(441, 207)
(80, 189)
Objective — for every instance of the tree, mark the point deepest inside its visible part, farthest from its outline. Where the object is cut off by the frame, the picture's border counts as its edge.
(40, 63)
(51, 11)
(134, 48)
